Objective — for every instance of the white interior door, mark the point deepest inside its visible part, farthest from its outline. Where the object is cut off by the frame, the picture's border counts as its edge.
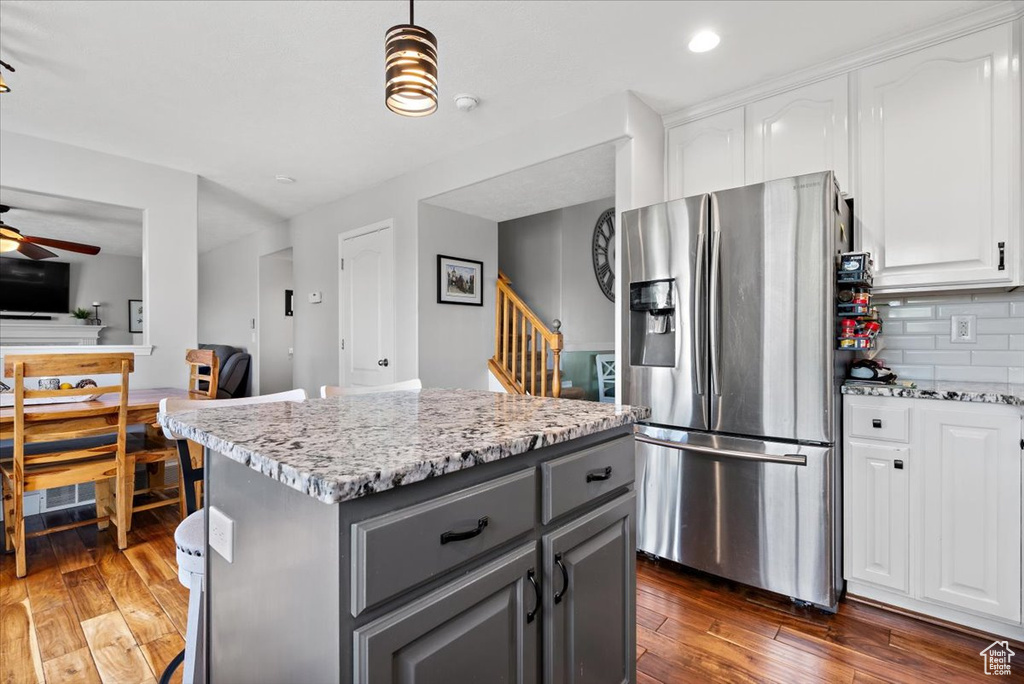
(367, 306)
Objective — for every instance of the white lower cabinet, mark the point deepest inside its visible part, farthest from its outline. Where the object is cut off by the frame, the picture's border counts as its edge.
(933, 524)
(971, 508)
(876, 476)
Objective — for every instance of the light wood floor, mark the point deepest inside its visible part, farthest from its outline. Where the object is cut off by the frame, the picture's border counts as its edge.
(88, 613)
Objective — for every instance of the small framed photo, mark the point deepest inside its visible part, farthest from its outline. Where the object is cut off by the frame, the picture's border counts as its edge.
(136, 321)
(460, 281)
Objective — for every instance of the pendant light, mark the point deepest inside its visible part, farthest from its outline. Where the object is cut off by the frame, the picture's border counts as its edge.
(410, 69)
(4, 88)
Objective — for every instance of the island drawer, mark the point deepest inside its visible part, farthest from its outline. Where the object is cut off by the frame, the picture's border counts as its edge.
(574, 480)
(398, 550)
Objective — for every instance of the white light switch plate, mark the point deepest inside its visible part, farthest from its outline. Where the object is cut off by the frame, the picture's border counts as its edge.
(222, 533)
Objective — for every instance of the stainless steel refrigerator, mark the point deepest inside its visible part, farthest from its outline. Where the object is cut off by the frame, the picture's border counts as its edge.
(729, 336)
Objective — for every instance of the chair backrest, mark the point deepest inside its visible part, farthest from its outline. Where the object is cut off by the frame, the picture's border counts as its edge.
(605, 377)
(91, 420)
(171, 405)
(197, 359)
(334, 391)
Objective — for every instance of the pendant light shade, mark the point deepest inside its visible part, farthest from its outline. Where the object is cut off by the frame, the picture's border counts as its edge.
(3, 86)
(410, 64)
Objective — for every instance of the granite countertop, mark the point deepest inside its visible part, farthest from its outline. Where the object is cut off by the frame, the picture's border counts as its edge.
(343, 448)
(979, 392)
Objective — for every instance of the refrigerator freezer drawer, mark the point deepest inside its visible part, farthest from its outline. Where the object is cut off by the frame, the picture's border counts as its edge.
(760, 513)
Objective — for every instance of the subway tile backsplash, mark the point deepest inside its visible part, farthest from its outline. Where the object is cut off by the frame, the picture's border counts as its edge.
(916, 343)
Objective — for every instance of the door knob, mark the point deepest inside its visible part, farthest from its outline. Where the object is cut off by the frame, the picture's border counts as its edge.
(383, 362)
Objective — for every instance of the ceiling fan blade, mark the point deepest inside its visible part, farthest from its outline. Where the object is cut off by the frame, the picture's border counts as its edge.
(62, 244)
(34, 252)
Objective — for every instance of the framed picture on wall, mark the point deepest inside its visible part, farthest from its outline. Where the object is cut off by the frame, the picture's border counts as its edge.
(460, 281)
(136, 320)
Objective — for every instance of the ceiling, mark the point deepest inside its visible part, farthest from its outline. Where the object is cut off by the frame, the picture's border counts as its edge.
(562, 182)
(114, 229)
(241, 91)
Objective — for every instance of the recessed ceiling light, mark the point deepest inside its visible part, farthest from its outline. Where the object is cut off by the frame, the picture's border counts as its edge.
(704, 41)
(287, 180)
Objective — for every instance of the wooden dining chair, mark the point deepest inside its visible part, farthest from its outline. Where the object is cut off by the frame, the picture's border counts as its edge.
(404, 386)
(52, 453)
(198, 360)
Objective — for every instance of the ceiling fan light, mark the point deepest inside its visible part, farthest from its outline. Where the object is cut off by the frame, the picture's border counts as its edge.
(4, 88)
(410, 70)
(6, 244)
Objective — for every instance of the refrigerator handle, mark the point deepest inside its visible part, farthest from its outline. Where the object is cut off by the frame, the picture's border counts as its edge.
(789, 459)
(716, 245)
(700, 329)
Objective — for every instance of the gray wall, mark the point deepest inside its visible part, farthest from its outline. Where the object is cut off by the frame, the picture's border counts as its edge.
(639, 181)
(275, 329)
(915, 338)
(229, 291)
(548, 258)
(111, 280)
(455, 341)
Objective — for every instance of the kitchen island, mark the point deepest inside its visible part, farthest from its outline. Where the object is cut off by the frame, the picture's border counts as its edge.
(433, 536)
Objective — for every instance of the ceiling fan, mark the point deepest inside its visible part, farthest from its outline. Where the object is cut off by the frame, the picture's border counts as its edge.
(12, 240)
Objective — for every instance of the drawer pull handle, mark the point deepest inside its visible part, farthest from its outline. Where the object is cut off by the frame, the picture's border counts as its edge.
(451, 536)
(897, 464)
(876, 422)
(598, 475)
(565, 578)
(530, 575)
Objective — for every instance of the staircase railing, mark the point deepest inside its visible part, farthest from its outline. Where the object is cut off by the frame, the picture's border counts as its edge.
(521, 345)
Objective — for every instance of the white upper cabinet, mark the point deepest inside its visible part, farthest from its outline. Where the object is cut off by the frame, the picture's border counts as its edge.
(800, 131)
(939, 164)
(705, 155)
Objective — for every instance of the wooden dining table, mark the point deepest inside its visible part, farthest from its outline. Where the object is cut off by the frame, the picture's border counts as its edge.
(143, 405)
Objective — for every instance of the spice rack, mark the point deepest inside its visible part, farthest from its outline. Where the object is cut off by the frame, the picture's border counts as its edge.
(859, 324)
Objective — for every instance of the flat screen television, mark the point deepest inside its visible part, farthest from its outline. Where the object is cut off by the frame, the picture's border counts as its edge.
(34, 286)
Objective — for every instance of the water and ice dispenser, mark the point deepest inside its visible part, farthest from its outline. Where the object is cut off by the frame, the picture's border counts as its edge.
(652, 323)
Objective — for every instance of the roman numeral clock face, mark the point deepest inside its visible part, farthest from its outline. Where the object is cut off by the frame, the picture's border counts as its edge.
(604, 253)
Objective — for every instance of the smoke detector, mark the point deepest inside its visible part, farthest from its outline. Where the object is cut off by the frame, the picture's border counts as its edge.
(465, 102)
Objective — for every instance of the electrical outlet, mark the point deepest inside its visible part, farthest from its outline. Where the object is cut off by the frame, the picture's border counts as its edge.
(222, 533)
(962, 329)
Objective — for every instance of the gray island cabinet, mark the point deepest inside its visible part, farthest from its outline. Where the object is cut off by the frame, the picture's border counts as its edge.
(441, 536)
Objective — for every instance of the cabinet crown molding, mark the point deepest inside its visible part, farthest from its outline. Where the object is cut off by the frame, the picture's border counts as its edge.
(987, 17)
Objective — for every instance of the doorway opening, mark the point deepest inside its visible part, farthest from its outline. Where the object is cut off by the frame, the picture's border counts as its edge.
(276, 330)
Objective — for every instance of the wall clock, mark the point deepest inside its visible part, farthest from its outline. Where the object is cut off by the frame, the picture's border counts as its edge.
(603, 252)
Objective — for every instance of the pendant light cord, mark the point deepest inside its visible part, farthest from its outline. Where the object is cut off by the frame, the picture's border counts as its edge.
(411, 21)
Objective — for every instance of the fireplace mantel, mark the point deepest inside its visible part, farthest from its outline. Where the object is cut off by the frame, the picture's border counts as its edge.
(21, 333)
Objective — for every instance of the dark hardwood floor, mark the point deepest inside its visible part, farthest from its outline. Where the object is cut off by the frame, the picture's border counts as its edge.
(695, 628)
(90, 613)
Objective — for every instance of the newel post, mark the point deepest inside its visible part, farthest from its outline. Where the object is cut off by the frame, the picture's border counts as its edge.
(556, 351)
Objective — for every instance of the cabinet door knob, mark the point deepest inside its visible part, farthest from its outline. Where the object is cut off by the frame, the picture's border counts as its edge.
(876, 422)
(897, 464)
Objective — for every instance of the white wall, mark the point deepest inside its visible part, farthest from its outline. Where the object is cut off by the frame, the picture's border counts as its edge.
(548, 257)
(276, 331)
(455, 340)
(111, 280)
(168, 199)
(621, 117)
(229, 291)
